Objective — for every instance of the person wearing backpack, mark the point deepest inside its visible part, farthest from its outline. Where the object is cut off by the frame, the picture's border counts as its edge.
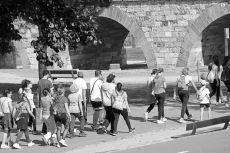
(107, 90)
(76, 110)
(61, 116)
(204, 99)
(213, 77)
(159, 91)
(182, 88)
(120, 96)
(151, 99)
(225, 76)
(6, 110)
(22, 114)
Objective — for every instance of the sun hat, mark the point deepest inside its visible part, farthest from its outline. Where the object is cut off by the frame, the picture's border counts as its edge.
(74, 88)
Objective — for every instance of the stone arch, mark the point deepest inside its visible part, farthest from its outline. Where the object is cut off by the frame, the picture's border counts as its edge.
(195, 30)
(122, 18)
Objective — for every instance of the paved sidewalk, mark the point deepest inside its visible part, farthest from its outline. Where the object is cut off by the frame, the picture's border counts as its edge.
(146, 132)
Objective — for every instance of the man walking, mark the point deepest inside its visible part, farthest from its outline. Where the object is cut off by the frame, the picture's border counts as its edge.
(95, 98)
(82, 91)
(42, 84)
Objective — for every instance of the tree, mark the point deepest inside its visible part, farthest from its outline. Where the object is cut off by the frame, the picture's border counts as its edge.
(60, 23)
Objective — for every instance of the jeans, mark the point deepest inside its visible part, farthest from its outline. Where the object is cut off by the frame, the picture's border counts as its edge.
(33, 121)
(161, 99)
(72, 123)
(125, 115)
(184, 96)
(215, 89)
(151, 106)
(109, 118)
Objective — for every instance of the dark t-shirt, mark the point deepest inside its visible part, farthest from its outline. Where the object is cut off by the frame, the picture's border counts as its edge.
(42, 84)
(60, 102)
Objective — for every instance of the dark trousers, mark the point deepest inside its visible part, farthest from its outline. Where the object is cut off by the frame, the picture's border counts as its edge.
(84, 107)
(109, 118)
(227, 84)
(150, 108)
(184, 96)
(215, 89)
(44, 128)
(72, 123)
(32, 121)
(125, 115)
(161, 100)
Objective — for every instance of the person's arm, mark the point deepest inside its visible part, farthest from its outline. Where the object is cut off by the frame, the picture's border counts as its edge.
(10, 106)
(67, 109)
(175, 90)
(80, 105)
(194, 86)
(164, 83)
(126, 102)
(216, 75)
(29, 111)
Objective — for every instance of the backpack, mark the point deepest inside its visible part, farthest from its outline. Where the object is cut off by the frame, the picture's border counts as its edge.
(118, 103)
(181, 83)
(56, 105)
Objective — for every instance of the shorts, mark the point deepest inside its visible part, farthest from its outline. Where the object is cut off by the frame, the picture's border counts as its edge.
(7, 121)
(206, 105)
(60, 119)
(50, 123)
(97, 104)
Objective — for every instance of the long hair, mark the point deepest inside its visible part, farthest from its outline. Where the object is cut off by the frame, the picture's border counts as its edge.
(225, 60)
(216, 61)
(6, 92)
(25, 83)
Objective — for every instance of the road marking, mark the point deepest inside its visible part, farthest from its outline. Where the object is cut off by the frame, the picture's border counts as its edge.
(183, 152)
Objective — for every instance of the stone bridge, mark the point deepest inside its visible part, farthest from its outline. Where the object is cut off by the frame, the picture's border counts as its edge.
(170, 33)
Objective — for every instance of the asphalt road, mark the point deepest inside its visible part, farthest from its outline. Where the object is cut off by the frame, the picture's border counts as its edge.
(214, 142)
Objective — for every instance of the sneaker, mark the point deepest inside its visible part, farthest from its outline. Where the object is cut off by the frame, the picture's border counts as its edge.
(17, 146)
(114, 134)
(30, 128)
(63, 142)
(82, 134)
(190, 116)
(160, 122)
(3, 146)
(164, 119)
(45, 140)
(181, 120)
(31, 144)
(104, 130)
(132, 130)
(146, 116)
(58, 145)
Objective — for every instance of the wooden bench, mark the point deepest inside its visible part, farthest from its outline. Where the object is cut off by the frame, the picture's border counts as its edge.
(201, 124)
(54, 74)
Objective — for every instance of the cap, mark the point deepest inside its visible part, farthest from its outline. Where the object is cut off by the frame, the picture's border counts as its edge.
(80, 74)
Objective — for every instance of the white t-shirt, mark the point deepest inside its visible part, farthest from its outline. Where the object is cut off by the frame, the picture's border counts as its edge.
(31, 99)
(204, 93)
(4, 104)
(82, 85)
(96, 91)
(107, 91)
(188, 79)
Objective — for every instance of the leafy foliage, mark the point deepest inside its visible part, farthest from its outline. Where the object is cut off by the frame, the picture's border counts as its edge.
(60, 22)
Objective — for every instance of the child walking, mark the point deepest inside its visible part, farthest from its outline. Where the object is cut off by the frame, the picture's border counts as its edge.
(204, 99)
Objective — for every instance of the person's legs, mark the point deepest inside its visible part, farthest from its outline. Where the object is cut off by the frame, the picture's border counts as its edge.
(27, 135)
(209, 112)
(48, 134)
(108, 117)
(84, 107)
(125, 115)
(44, 129)
(201, 112)
(34, 120)
(151, 106)
(116, 118)
(184, 99)
(101, 116)
(95, 118)
(19, 136)
(162, 98)
(218, 92)
(65, 122)
(214, 88)
(72, 123)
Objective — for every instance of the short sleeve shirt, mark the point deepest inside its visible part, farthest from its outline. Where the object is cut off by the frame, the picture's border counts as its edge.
(204, 93)
(74, 100)
(159, 85)
(107, 91)
(95, 90)
(60, 101)
(4, 104)
(42, 84)
(187, 79)
(25, 106)
(46, 105)
(82, 85)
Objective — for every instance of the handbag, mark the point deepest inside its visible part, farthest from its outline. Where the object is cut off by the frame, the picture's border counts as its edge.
(92, 91)
(210, 77)
(223, 76)
(118, 103)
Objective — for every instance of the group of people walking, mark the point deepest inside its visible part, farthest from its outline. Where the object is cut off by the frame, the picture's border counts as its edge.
(108, 100)
(210, 85)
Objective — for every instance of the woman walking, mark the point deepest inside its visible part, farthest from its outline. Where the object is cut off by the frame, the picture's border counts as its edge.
(225, 77)
(159, 91)
(182, 88)
(107, 90)
(61, 116)
(121, 94)
(151, 99)
(7, 121)
(47, 116)
(214, 80)
(22, 123)
(76, 110)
